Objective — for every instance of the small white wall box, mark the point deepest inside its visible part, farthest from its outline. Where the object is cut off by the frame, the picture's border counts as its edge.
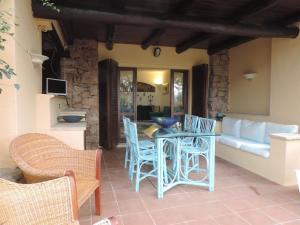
(249, 76)
(38, 58)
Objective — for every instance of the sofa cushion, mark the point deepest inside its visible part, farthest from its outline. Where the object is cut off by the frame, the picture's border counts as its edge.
(272, 128)
(256, 148)
(254, 131)
(231, 141)
(231, 126)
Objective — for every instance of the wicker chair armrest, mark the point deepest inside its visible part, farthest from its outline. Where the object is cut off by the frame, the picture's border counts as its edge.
(84, 164)
(34, 175)
(53, 201)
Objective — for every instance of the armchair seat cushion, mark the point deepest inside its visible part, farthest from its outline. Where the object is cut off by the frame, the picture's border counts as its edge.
(84, 189)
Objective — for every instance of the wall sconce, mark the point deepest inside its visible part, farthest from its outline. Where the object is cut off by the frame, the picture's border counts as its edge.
(249, 76)
(158, 80)
(38, 59)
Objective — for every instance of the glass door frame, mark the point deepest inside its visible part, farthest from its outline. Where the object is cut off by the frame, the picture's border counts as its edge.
(120, 114)
(185, 91)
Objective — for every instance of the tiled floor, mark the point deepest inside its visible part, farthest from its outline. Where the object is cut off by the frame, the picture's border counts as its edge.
(240, 198)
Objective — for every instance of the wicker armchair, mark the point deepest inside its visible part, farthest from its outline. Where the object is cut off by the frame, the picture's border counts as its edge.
(42, 157)
(49, 202)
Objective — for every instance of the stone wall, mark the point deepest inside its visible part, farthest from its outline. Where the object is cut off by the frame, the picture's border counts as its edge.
(81, 73)
(218, 83)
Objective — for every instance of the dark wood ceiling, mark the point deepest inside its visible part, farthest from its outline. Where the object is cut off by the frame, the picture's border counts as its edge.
(259, 13)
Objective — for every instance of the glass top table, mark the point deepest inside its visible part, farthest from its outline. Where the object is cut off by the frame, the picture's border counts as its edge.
(176, 154)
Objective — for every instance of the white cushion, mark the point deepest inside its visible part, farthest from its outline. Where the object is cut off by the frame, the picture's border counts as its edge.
(231, 126)
(272, 128)
(254, 131)
(231, 141)
(245, 145)
(257, 149)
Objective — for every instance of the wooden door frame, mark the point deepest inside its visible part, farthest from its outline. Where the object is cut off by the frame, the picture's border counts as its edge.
(204, 68)
(185, 90)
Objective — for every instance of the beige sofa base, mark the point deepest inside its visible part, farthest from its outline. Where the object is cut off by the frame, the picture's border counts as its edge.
(279, 167)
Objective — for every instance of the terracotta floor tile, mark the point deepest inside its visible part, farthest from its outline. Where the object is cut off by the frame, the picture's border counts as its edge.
(137, 219)
(107, 197)
(126, 194)
(257, 217)
(239, 204)
(280, 214)
(293, 207)
(296, 222)
(214, 209)
(230, 220)
(202, 222)
(170, 216)
(255, 199)
(131, 206)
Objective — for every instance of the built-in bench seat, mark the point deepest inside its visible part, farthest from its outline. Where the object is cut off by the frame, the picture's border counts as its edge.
(260, 149)
(248, 144)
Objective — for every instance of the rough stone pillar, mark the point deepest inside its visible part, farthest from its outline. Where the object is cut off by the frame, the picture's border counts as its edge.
(218, 83)
(81, 73)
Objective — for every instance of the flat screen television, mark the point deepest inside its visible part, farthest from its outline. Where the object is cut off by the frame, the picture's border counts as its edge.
(56, 86)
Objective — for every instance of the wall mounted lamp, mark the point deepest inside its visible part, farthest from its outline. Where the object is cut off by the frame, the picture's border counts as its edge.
(38, 59)
(249, 76)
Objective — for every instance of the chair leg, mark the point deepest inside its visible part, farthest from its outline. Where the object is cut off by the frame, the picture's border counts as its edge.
(186, 165)
(98, 201)
(126, 156)
(137, 178)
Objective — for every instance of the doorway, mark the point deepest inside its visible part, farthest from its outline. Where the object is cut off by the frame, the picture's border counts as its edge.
(148, 93)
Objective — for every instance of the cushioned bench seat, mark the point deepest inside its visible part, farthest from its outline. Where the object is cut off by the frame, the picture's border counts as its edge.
(248, 144)
(260, 149)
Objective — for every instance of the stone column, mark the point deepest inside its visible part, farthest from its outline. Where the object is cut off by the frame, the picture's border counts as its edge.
(81, 73)
(218, 83)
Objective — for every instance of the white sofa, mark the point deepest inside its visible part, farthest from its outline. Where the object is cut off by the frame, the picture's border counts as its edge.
(250, 145)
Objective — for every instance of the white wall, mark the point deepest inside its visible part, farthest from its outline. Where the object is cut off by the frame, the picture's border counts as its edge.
(149, 77)
(284, 82)
(17, 107)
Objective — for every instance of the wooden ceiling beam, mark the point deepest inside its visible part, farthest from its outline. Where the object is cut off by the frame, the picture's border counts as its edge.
(229, 43)
(110, 36)
(154, 36)
(95, 16)
(67, 30)
(118, 5)
(250, 9)
(236, 41)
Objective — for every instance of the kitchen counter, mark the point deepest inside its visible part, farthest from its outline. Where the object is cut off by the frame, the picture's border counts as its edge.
(64, 126)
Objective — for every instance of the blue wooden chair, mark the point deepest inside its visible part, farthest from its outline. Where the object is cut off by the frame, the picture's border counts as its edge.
(128, 152)
(141, 155)
(196, 147)
(190, 123)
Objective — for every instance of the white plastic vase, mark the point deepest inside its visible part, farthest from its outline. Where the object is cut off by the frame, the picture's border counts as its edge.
(298, 178)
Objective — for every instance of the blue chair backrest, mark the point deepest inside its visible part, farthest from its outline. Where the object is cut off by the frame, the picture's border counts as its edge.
(125, 124)
(206, 125)
(133, 138)
(190, 123)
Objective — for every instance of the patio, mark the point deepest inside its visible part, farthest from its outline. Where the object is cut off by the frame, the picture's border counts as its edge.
(238, 58)
(240, 197)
